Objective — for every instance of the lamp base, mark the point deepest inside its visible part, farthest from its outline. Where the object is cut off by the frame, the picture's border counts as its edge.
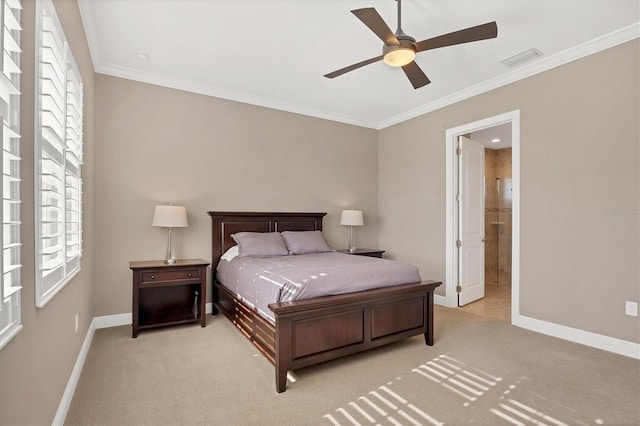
(170, 259)
(352, 246)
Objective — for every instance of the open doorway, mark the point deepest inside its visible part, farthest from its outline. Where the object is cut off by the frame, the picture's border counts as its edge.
(497, 221)
(499, 217)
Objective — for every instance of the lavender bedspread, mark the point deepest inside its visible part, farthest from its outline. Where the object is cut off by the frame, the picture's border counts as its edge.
(261, 281)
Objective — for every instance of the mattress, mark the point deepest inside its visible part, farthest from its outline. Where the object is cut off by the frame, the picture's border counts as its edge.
(261, 281)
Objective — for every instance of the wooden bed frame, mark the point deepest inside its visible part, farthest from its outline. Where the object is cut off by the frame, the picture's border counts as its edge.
(312, 331)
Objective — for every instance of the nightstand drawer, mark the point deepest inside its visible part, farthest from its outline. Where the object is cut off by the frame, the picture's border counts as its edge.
(183, 274)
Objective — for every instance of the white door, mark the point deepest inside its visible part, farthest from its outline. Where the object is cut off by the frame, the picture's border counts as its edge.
(471, 221)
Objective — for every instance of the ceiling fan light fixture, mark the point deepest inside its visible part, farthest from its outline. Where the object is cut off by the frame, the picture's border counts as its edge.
(399, 49)
(399, 56)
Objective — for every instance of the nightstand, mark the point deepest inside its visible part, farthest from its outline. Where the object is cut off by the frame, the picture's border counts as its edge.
(364, 252)
(168, 294)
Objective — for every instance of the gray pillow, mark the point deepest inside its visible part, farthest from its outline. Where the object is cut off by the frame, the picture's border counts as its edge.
(260, 244)
(304, 242)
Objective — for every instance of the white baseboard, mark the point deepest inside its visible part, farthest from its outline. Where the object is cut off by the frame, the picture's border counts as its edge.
(112, 320)
(611, 344)
(618, 346)
(67, 396)
(441, 300)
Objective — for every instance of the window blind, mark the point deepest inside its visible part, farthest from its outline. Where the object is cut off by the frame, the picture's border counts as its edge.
(73, 162)
(58, 158)
(10, 263)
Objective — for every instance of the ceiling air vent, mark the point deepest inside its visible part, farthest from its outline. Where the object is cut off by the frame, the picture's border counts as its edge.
(522, 57)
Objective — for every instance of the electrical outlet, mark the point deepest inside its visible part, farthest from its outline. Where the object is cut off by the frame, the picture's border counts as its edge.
(631, 308)
(76, 323)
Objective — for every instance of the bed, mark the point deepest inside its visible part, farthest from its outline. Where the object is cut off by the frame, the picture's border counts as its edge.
(310, 331)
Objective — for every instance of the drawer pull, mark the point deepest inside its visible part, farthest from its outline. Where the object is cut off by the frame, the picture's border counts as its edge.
(153, 277)
(190, 275)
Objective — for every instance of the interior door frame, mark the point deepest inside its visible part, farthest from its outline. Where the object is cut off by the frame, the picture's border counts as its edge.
(450, 298)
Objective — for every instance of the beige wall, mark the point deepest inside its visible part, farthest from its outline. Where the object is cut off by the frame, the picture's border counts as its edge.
(36, 364)
(580, 173)
(157, 145)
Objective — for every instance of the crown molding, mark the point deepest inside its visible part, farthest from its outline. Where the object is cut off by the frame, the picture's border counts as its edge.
(232, 95)
(87, 22)
(605, 42)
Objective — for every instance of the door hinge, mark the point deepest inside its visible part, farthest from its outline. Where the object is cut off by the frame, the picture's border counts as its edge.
(459, 197)
(458, 151)
(458, 243)
(458, 289)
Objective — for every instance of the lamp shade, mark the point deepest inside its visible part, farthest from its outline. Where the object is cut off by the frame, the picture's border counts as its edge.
(351, 218)
(170, 216)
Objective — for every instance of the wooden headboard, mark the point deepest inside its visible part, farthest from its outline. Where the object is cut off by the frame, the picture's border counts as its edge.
(223, 224)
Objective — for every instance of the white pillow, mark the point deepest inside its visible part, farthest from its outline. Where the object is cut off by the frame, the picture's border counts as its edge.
(230, 254)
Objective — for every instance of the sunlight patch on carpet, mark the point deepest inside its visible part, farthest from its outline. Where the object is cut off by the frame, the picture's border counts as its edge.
(380, 405)
(523, 412)
(456, 376)
(398, 403)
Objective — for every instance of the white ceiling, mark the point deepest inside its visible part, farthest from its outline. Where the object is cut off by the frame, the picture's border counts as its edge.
(274, 53)
(488, 135)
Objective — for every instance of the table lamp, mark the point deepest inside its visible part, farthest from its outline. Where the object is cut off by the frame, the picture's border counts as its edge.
(170, 217)
(351, 218)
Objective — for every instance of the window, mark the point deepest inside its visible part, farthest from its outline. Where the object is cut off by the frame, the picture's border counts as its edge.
(58, 156)
(10, 263)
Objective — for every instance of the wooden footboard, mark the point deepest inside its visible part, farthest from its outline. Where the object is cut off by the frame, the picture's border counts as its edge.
(312, 331)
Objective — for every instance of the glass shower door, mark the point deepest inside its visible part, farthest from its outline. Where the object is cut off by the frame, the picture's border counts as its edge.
(503, 231)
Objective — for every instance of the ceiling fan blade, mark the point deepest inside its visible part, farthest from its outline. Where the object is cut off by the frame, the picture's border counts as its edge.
(353, 67)
(480, 32)
(415, 75)
(372, 19)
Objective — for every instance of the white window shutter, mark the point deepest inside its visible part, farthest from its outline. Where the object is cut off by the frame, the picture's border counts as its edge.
(58, 148)
(10, 263)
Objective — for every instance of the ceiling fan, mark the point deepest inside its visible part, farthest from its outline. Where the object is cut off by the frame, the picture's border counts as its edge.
(399, 49)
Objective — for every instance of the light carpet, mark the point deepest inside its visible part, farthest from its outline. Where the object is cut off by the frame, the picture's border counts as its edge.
(480, 371)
